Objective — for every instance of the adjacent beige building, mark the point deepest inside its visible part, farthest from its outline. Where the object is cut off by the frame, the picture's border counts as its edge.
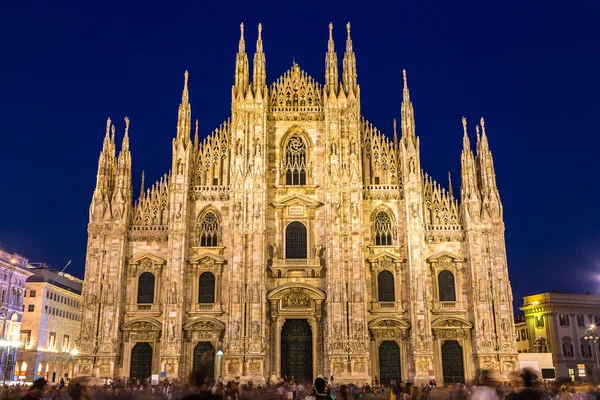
(13, 274)
(298, 239)
(558, 323)
(51, 325)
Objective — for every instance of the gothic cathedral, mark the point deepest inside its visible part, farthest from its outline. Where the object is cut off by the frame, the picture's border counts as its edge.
(296, 240)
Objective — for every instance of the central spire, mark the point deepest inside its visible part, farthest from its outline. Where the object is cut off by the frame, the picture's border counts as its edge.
(349, 64)
(241, 67)
(331, 65)
(185, 113)
(408, 114)
(259, 77)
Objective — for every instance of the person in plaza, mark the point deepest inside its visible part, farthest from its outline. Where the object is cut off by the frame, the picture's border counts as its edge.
(80, 388)
(320, 391)
(36, 391)
(199, 387)
(344, 392)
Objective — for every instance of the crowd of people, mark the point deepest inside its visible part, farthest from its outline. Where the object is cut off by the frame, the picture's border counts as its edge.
(200, 388)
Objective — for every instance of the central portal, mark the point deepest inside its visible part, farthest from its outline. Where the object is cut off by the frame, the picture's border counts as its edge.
(296, 350)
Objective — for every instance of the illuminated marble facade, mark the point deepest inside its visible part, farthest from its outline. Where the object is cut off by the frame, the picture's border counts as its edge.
(296, 208)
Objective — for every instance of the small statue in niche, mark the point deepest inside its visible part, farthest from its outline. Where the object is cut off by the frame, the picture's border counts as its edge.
(411, 165)
(275, 251)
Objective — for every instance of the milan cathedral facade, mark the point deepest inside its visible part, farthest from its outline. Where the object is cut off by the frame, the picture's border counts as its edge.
(296, 240)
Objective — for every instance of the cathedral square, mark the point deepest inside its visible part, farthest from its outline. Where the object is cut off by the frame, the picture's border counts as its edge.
(297, 239)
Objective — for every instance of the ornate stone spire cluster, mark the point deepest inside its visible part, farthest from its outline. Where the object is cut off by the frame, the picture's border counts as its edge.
(331, 66)
(469, 190)
(259, 78)
(409, 136)
(439, 207)
(112, 195)
(240, 85)
(380, 158)
(184, 115)
(151, 209)
(211, 157)
(349, 63)
(487, 176)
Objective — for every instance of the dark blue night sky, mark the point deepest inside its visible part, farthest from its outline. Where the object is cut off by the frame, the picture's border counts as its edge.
(531, 68)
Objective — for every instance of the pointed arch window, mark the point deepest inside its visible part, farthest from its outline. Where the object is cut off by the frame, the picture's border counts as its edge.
(295, 161)
(382, 229)
(146, 288)
(209, 230)
(446, 289)
(385, 286)
(295, 240)
(206, 288)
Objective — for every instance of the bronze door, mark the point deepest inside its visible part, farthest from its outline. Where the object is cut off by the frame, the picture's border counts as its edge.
(452, 362)
(204, 359)
(296, 350)
(389, 362)
(141, 361)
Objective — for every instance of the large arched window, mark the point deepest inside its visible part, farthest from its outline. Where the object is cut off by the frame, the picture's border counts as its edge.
(295, 241)
(209, 230)
(295, 161)
(385, 286)
(146, 288)
(446, 286)
(206, 288)
(382, 229)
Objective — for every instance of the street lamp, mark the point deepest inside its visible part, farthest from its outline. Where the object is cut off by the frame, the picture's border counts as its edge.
(219, 360)
(8, 344)
(592, 336)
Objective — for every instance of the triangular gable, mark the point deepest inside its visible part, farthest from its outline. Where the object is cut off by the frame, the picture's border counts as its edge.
(207, 254)
(297, 199)
(151, 257)
(444, 254)
(383, 255)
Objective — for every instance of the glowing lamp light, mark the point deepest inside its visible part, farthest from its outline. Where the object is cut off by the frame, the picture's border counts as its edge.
(219, 353)
(10, 343)
(75, 352)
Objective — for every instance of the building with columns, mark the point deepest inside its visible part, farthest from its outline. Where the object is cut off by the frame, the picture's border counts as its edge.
(13, 274)
(297, 239)
(566, 325)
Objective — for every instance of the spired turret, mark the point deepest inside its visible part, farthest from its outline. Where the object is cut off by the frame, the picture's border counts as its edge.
(240, 86)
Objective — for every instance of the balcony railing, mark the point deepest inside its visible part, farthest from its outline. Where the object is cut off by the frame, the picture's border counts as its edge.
(448, 306)
(296, 267)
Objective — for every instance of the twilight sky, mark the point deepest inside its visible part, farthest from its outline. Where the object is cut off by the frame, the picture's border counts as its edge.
(531, 68)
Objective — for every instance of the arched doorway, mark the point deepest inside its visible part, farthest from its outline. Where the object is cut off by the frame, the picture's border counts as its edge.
(204, 359)
(452, 362)
(141, 361)
(296, 350)
(389, 362)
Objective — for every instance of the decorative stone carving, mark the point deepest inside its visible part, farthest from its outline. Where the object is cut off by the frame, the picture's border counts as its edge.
(295, 299)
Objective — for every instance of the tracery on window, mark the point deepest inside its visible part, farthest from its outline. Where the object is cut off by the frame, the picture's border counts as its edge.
(209, 230)
(385, 286)
(446, 287)
(382, 229)
(296, 241)
(206, 288)
(295, 161)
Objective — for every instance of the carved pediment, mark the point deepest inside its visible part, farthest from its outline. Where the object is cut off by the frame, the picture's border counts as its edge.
(444, 256)
(142, 325)
(385, 255)
(297, 200)
(451, 323)
(147, 259)
(204, 324)
(389, 323)
(209, 257)
(301, 288)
